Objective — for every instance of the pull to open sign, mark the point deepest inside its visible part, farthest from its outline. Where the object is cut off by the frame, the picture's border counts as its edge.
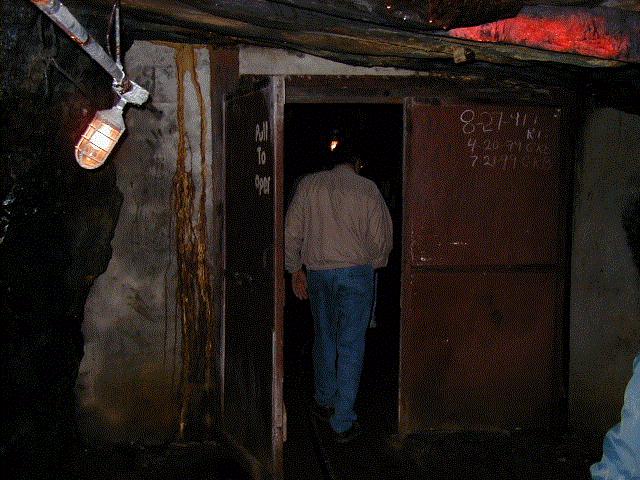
(263, 185)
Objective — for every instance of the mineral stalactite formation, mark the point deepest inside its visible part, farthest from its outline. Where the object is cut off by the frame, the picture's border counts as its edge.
(193, 292)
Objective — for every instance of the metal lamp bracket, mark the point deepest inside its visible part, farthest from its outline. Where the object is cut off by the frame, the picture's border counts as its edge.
(126, 89)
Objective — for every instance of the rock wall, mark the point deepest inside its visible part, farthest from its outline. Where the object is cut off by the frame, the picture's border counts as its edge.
(56, 223)
(605, 293)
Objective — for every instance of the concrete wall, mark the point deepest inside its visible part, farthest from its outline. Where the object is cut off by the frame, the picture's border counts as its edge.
(605, 294)
(127, 387)
(273, 61)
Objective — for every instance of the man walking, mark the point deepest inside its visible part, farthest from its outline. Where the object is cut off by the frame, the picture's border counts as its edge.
(339, 228)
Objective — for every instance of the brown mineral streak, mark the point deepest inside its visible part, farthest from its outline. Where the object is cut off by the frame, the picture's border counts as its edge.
(193, 292)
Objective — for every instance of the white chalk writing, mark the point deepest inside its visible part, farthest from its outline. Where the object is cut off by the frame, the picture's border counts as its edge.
(487, 121)
(506, 140)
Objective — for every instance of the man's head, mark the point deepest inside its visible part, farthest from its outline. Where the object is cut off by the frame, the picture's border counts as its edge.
(345, 154)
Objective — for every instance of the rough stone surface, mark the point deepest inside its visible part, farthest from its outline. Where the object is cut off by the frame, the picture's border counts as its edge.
(56, 222)
(605, 296)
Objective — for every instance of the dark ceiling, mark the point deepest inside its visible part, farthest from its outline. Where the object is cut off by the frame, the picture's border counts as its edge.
(565, 37)
(381, 32)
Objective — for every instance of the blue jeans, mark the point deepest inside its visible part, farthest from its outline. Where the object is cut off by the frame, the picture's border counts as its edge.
(341, 302)
(621, 446)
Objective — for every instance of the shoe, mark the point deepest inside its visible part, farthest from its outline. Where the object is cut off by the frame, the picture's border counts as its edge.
(320, 412)
(348, 435)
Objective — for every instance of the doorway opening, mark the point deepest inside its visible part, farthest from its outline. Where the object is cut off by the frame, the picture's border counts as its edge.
(376, 131)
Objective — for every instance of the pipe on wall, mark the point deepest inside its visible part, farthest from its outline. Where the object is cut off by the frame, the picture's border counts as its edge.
(62, 17)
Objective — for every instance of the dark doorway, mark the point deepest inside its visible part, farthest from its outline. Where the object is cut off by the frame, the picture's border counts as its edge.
(376, 130)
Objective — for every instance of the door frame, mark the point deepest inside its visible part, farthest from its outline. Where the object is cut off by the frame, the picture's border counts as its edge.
(320, 89)
(250, 463)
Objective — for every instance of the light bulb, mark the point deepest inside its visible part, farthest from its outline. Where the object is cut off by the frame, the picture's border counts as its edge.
(333, 145)
(102, 134)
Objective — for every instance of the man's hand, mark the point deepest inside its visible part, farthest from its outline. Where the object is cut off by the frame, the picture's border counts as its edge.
(299, 284)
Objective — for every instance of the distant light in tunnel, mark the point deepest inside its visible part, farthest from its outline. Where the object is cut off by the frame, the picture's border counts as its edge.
(334, 139)
(100, 137)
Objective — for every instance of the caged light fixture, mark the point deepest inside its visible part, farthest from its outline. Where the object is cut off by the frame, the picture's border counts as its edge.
(101, 136)
(107, 126)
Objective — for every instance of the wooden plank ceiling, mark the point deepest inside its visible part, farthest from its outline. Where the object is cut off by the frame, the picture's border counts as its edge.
(402, 33)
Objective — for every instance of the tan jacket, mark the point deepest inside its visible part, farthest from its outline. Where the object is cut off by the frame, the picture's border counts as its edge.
(337, 219)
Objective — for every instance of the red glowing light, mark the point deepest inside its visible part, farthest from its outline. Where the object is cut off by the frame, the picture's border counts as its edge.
(583, 31)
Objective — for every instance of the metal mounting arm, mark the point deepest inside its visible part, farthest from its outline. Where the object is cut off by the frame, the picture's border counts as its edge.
(61, 16)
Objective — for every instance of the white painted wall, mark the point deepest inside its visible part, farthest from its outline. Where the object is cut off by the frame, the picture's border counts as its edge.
(273, 61)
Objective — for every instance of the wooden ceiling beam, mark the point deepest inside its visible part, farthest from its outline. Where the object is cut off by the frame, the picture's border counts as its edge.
(275, 24)
(337, 36)
(404, 14)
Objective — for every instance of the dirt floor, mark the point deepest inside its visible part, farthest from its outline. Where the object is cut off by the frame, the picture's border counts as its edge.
(517, 455)
(452, 456)
(434, 456)
(184, 461)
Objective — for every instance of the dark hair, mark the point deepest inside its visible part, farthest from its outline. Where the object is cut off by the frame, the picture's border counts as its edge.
(344, 153)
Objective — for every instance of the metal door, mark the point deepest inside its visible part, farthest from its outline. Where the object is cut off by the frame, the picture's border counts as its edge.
(483, 267)
(254, 277)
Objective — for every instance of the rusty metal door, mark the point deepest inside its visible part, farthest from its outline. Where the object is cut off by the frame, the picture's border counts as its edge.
(254, 277)
(483, 267)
